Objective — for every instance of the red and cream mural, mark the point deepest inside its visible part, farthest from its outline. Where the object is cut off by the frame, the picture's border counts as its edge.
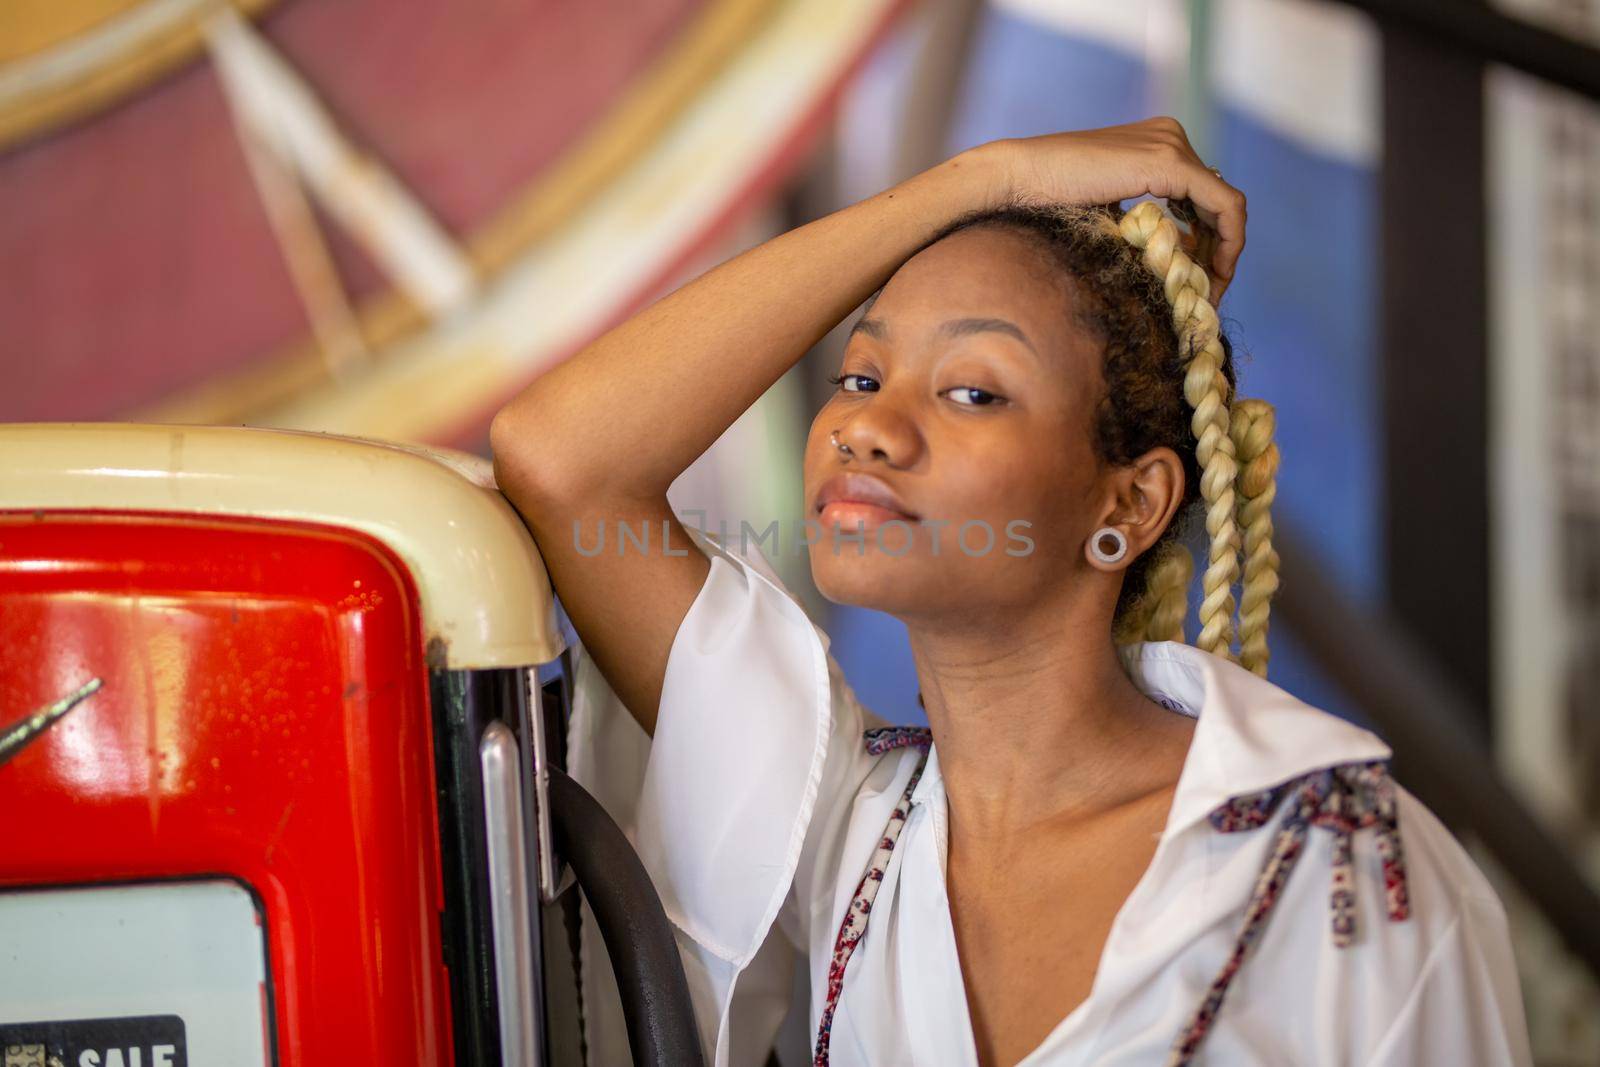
(377, 217)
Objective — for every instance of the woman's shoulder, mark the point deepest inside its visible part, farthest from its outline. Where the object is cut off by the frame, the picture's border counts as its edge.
(1440, 868)
(1450, 968)
(747, 647)
(752, 576)
(1373, 895)
(1267, 751)
(1409, 881)
(743, 554)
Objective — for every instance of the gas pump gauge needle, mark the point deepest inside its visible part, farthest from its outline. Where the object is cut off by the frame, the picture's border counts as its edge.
(16, 737)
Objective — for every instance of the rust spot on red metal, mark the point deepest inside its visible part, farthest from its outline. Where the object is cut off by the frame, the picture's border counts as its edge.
(438, 654)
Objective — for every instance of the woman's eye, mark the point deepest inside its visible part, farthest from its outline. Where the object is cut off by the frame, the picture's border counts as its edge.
(979, 397)
(840, 380)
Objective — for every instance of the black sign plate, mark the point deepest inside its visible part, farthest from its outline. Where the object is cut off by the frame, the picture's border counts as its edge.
(136, 1041)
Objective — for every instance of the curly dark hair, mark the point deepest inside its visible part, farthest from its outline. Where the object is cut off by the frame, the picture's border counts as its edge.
(1109, 290)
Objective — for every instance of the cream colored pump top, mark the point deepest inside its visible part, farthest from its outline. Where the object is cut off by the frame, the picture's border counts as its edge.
(486, 597)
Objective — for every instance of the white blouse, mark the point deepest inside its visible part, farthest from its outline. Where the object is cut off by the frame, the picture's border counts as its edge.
(757, 809)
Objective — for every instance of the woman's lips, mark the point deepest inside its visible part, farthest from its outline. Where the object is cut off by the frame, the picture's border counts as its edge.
(850, 514)
(855, 496)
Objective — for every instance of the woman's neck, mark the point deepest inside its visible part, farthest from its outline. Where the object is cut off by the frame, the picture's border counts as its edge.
(1037, 721)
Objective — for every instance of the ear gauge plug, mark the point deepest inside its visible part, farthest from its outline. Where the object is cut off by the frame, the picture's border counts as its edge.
(1108, 544)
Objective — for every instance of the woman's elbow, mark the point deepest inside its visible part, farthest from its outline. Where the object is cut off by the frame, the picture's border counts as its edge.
(543, 461)
(517, 464)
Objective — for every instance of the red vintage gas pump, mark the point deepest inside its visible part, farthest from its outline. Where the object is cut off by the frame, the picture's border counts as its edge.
(278, 717)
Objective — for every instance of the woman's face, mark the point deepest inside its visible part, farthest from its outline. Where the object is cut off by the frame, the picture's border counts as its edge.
(968, 392)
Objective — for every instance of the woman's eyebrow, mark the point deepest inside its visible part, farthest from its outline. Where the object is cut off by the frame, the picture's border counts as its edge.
(878, 330)
(963, 327)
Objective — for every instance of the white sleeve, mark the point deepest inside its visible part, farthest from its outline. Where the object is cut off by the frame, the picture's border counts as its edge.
(1466, 1006)
(719, 803)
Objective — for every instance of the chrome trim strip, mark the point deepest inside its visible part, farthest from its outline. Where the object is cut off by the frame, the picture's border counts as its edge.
(511, 907)
(543, 843)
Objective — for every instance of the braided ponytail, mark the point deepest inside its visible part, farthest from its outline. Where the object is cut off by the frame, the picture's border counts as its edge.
(1254, 423)
(1158, 614)
(1187, 288)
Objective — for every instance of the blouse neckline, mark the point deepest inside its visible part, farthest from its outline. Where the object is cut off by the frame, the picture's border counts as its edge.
(1250, 734)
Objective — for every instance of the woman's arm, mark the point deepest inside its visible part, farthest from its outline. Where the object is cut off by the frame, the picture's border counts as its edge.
(600, 437)
(634, 409)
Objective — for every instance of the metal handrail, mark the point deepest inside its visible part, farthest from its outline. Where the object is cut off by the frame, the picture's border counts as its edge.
(1426, 718)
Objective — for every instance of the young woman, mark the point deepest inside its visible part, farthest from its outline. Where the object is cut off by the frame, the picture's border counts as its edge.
(1078, 862)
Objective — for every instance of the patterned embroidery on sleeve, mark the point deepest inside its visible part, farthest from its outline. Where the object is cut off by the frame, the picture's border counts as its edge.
(879, 741)
(1343, 799)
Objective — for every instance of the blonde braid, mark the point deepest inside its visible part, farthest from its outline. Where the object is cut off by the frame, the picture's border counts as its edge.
(1253, 425)
(1147, 227)
(1159, 612)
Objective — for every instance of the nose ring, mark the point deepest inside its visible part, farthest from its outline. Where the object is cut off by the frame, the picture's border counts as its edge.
(840, 445)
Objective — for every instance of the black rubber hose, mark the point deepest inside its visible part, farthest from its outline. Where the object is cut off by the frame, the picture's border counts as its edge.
(638, 937)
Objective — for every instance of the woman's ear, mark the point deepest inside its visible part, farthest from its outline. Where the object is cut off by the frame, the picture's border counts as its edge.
(1146, 494)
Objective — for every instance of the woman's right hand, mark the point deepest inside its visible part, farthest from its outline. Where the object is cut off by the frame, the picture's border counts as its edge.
(1118, 163)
